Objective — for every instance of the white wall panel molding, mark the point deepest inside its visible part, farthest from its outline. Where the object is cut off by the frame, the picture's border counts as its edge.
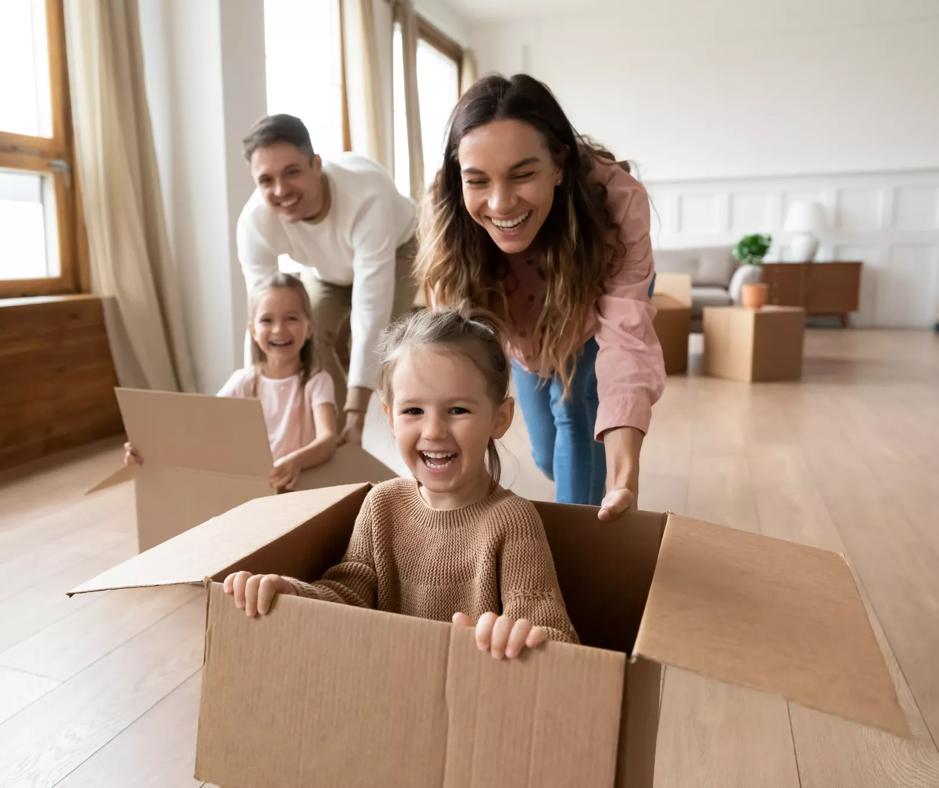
(888, 220)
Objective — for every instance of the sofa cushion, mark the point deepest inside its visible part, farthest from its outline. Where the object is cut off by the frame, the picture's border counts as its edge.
(708, 266)
(708, 296)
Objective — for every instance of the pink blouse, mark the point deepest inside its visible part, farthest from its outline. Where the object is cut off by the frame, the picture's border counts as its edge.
(630, 370)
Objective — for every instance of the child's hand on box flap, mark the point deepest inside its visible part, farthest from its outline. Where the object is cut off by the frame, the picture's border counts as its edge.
(131, 457)
(503, 636)
(255, 593)
(285, 473)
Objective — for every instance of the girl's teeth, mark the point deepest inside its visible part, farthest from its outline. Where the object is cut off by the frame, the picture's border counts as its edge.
(437, 459)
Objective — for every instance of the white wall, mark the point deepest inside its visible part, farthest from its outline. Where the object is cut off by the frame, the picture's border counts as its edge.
(774, 90)
(445, 18)
(204, 69)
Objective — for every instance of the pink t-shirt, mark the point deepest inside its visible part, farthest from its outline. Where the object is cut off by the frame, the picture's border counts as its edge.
(288, 414)
(630, 370)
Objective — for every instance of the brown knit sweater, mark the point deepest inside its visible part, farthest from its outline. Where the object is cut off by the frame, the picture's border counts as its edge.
(404, 557)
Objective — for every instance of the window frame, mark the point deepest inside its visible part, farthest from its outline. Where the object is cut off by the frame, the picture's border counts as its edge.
(52, 156)
(440, 41)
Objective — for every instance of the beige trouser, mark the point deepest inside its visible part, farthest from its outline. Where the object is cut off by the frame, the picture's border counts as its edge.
(332, 305)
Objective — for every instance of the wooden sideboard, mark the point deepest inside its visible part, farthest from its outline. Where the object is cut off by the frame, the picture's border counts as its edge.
(819, 288)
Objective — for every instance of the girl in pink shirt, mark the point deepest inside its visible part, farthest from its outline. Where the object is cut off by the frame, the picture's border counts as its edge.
(533, 222)
(297, 399)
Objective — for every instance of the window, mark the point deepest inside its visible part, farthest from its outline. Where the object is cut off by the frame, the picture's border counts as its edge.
(38, 250)
(438, 88)
(303, 57)
(304, 67)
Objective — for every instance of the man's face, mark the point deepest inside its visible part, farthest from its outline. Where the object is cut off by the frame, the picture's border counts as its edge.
(290, 181)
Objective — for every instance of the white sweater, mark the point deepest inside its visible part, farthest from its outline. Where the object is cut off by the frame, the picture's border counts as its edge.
(354, 245)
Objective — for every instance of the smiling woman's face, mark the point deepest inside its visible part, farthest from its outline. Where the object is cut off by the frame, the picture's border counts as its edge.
(509, 178)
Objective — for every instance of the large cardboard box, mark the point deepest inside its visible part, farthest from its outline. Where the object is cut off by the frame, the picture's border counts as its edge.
(754, 345)
(204, 455)
(672, 323)
(316, 693)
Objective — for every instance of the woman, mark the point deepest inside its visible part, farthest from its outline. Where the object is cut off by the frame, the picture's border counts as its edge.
(533, 222)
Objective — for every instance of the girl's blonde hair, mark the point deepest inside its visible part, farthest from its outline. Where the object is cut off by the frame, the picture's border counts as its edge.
(474, 334)
(458, 261)
(308, 364)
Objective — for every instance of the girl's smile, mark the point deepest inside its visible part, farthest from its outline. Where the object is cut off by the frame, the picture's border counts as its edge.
(442, 417)
(280, 328)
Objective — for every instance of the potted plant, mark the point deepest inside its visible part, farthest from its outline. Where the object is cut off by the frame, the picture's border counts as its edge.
(750, 251)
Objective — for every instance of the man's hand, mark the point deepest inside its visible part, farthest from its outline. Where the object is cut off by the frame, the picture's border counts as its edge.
(352, 431)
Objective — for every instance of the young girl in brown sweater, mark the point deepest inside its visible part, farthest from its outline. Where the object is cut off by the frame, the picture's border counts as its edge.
(449, 544)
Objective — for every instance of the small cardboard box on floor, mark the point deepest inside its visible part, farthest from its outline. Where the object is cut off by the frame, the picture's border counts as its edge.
(672, 323)
(316, 693)
(753, 345)
(204, 455)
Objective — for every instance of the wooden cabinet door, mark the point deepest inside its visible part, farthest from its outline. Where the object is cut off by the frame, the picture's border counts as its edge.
(785, 282)
(832, 288)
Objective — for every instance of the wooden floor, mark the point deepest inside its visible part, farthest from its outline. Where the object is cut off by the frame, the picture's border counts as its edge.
(102, 690)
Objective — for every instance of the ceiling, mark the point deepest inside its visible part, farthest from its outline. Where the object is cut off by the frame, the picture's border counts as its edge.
(726, 13)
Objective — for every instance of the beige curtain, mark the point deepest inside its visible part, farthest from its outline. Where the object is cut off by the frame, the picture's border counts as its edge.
(369, 124)
(132, 267)
(468, 72)
(405, 16)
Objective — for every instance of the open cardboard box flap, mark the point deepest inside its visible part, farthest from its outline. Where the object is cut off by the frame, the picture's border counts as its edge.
(169, 428)
(772, 615)
(205, 455)
(254, 535)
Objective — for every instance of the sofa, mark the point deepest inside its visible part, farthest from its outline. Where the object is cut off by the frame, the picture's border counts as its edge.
(716, 276)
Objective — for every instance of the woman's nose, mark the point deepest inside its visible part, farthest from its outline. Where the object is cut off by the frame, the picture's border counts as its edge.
(501, 199)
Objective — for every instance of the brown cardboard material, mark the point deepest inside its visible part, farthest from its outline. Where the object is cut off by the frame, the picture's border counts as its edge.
(672, 322)
(344, 696)
(205, 455)
(754, 345)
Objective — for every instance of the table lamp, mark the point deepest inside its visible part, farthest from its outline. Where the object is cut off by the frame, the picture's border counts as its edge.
(805, 218)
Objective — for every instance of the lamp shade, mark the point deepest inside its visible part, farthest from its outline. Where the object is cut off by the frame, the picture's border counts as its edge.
(804, 216)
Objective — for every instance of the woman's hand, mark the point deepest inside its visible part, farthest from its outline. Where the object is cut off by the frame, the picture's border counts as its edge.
(255, 593)
(285, 473)
(502, 636)
(615, 502)
(130, 455)
(621, 446)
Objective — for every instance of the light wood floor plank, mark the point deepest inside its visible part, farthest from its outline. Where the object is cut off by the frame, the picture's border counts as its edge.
(31, 609)
(69, 646)
(159, 749)
(19, 688)
(50, 738)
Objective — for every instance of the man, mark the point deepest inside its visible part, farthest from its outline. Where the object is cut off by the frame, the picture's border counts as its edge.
(345, 220)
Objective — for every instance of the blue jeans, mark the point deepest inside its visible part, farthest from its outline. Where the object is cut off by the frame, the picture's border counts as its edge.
(561, 432)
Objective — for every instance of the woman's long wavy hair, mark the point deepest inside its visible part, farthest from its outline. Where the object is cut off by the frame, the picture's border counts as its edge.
(458, 261)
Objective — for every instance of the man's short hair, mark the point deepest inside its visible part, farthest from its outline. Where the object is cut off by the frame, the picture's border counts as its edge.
(272, 129)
